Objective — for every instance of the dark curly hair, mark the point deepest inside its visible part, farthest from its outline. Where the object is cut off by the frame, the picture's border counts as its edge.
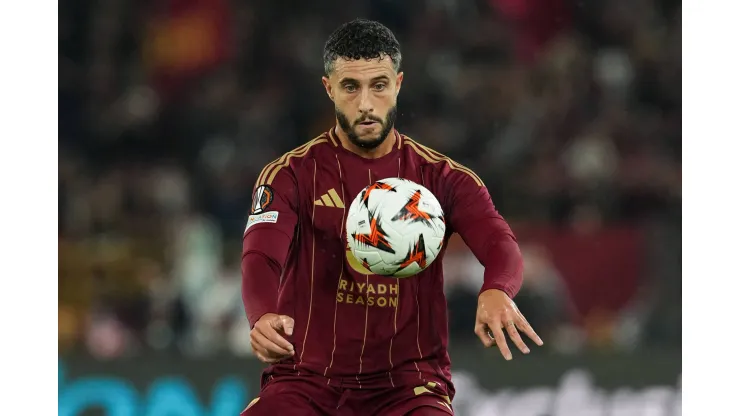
(361, 39)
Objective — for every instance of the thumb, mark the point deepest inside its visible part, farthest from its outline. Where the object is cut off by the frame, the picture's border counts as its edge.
(287, 323)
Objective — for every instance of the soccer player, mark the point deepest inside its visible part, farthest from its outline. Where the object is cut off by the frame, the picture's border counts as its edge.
(340, 340)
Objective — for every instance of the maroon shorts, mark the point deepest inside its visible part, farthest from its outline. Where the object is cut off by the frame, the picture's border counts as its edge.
(310, 396)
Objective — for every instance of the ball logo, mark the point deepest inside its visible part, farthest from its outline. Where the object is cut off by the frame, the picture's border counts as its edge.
(261, 199)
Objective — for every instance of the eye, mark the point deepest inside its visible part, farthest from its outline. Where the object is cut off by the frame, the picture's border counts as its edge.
(379, 86)
(350, 88)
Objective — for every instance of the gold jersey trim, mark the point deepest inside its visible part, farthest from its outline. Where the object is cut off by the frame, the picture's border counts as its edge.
(432, 156)
(271, 169)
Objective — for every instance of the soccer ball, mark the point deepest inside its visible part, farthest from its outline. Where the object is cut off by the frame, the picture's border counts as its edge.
(395, 228)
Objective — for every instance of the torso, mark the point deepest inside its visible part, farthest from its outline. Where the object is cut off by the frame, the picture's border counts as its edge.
(354, 325)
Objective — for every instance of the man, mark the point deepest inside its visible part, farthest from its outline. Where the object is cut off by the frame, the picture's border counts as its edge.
(332, 355)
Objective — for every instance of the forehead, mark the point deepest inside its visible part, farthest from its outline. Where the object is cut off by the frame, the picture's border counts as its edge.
(363, 69)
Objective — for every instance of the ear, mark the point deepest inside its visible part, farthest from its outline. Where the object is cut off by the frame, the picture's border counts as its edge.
(327, 87)
(399, 81)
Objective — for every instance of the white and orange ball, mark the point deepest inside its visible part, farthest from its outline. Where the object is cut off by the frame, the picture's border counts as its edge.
(395, 228)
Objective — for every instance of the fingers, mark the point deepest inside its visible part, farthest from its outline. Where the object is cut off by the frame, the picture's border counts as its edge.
(262, 354)
(502, 320)
(268, 345)
(277, 340)
(270, 330)
(271, 342)
(515, 337)
(498, 335)
(482, 331)
(287, 323)
(522, 324)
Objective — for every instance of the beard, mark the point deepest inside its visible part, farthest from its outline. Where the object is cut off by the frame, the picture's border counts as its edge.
(367, 142)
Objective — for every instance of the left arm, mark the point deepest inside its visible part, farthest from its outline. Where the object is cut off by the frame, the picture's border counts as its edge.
(473, 216)
(488, 236)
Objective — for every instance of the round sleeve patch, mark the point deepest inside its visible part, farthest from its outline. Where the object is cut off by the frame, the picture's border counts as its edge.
(261, 199)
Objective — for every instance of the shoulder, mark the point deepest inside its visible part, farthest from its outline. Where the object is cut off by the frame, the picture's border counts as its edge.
(443, 166)
(289, 161)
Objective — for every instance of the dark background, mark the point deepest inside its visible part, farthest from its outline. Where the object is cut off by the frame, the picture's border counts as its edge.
(570, 111)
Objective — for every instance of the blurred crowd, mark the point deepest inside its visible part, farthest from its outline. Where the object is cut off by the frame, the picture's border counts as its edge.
(168, 109)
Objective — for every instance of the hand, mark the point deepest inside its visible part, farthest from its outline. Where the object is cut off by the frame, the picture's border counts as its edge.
(497, 311)
(268, 338)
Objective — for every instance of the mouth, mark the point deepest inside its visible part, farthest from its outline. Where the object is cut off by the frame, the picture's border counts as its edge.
(368, 123)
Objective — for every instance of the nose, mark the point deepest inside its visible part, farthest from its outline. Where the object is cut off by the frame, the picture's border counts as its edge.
(366, 107)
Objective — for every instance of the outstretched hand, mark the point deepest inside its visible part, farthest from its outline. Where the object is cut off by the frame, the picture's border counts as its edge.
(268, 338)
(496, 312)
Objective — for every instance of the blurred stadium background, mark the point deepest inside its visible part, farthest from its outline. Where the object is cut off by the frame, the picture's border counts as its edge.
(570, 110)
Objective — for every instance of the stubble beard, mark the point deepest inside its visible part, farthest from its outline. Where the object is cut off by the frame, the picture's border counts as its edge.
(372, 142)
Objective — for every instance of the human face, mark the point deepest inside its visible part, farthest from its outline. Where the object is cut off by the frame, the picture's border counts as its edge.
(364, 94)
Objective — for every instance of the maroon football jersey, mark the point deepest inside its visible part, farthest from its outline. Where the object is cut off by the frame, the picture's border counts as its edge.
(353, 327)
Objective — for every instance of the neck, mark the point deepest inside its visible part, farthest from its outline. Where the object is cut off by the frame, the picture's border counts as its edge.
(375, 153)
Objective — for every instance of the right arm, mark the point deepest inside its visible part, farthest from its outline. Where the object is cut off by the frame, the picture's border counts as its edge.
(265, 245)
